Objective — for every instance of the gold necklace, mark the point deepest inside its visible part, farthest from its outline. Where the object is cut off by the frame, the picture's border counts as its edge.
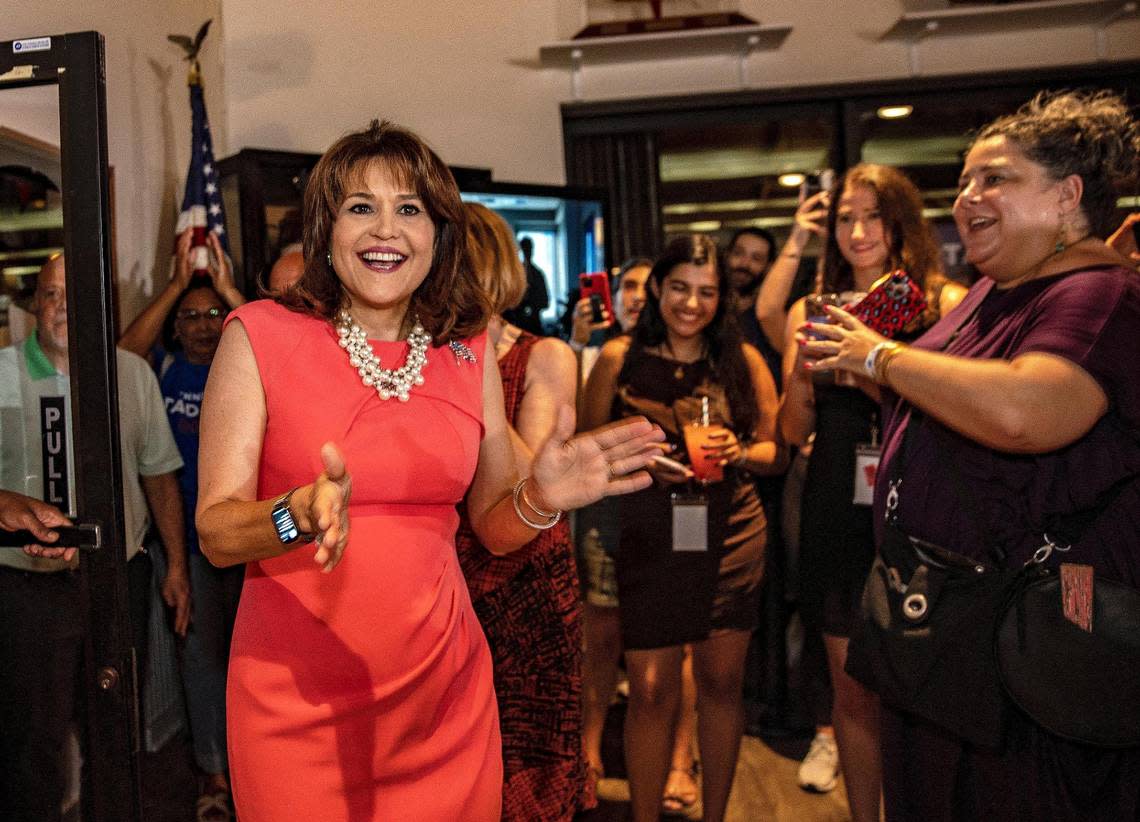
(679, 371)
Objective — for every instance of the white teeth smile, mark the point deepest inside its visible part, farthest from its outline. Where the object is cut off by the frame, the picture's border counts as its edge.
(980, 222)
(382, 257)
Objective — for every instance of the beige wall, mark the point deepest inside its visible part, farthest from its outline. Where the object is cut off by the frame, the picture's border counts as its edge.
(148, 115)
(287, 74)
(466, 74)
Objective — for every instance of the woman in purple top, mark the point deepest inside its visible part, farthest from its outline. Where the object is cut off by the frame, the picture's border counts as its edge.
(1027, 392)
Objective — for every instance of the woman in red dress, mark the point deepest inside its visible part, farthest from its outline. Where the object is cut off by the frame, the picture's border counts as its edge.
(364, 692)
(528, 601)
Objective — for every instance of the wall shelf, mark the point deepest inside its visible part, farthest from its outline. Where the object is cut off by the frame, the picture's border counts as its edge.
(916, 26)
(737, 41)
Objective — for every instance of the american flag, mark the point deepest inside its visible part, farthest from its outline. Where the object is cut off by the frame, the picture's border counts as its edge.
(202, 203)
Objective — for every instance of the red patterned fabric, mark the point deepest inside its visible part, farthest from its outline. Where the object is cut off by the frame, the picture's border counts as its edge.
(529, 605)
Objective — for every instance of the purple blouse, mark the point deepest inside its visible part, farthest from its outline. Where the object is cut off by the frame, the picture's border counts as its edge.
(1090, 317)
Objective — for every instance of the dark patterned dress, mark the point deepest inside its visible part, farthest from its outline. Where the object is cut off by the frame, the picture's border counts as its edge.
(531, 611)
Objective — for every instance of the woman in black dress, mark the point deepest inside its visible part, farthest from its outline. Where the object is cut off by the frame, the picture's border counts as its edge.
(685, 348)
(874, 225)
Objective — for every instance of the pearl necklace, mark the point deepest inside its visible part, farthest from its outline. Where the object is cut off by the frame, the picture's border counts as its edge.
(386, 381)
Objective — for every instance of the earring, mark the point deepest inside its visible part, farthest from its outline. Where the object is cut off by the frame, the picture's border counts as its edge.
(328, 256)
(1064, 232)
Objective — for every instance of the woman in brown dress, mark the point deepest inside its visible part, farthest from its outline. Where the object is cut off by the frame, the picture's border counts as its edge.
(685, 349)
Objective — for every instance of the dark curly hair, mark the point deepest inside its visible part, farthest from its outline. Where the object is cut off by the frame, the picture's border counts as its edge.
(450, 302)
(721, 336)
(1088, 133)
(913, 244)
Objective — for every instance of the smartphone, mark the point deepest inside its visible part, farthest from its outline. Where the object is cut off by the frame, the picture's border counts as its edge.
(816, 182)
(596, 288)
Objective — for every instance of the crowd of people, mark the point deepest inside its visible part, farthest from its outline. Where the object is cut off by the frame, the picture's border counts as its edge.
(362, 486)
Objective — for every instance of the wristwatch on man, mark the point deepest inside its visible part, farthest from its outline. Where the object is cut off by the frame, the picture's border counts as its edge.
(284, 522)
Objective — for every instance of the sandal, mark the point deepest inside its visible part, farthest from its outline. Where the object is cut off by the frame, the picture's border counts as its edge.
(681, 792)
(214, 807)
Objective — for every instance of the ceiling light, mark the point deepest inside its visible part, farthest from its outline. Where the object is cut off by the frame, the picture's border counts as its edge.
(790, 180)
(894, 112)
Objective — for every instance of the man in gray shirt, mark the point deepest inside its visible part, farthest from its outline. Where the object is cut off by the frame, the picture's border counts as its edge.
(41, 621)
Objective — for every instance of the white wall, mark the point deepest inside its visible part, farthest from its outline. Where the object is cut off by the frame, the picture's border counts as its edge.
(466, 75)
(148, 115)
(290, 74)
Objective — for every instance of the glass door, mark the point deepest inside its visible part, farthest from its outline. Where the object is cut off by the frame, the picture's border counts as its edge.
(67, 665)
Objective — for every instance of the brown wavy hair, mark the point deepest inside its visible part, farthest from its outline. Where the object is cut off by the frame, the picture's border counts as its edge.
(449, 302)
(494, 257)
(913, 246)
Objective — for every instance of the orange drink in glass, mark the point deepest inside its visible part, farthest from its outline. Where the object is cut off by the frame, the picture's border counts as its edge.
(706, 465)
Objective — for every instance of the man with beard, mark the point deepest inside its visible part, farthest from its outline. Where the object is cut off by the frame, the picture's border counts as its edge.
(746, 262)
(189, 313)
(41, 643)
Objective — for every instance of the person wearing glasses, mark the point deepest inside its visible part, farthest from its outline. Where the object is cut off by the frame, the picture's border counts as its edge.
(187, 315)
(41, 590)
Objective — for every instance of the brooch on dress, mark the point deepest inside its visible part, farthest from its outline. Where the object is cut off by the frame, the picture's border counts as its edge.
(462, 352)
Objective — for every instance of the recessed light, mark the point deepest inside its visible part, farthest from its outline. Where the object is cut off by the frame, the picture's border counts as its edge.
(894, 112)
(790, 180)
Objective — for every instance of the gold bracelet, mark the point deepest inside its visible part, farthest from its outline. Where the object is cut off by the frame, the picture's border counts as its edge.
(884, 359)
(516, 493)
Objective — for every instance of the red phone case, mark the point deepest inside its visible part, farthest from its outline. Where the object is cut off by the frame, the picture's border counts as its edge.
(598, 284)
(892, 304)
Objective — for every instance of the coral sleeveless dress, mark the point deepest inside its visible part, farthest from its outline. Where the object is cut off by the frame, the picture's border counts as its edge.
(364, 694)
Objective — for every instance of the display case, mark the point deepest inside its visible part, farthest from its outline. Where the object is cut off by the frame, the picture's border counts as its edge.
(262, 191)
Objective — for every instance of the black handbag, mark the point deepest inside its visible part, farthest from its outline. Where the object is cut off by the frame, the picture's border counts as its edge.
(959, 642)
(924, 643)
(1080, 685)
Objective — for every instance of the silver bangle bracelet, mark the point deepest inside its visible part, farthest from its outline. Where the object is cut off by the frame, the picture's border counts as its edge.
(517, 493)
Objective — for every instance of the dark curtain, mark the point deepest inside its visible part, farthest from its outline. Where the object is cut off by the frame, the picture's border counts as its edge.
(626, 166)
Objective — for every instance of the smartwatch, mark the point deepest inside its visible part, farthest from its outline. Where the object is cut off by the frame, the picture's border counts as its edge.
(283, 521)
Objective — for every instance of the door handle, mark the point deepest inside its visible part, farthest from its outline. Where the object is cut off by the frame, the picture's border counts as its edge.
(86, 536)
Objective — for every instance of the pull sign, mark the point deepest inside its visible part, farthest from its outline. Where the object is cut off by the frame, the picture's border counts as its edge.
(33, 44)
(53, 447)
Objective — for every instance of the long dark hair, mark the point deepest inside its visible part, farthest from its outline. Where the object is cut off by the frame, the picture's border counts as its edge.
(913, 245)
(721, 337)
(450, 302)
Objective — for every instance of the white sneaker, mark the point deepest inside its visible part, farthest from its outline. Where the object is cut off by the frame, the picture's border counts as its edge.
(819, 772)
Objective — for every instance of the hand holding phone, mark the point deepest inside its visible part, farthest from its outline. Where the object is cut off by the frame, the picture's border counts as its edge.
(596, 288)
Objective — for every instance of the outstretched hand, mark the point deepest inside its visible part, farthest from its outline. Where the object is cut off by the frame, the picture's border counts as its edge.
(327, 511)
(571, 471)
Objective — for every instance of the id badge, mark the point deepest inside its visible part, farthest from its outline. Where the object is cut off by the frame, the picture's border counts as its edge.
(690, 522)
(866, 467)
